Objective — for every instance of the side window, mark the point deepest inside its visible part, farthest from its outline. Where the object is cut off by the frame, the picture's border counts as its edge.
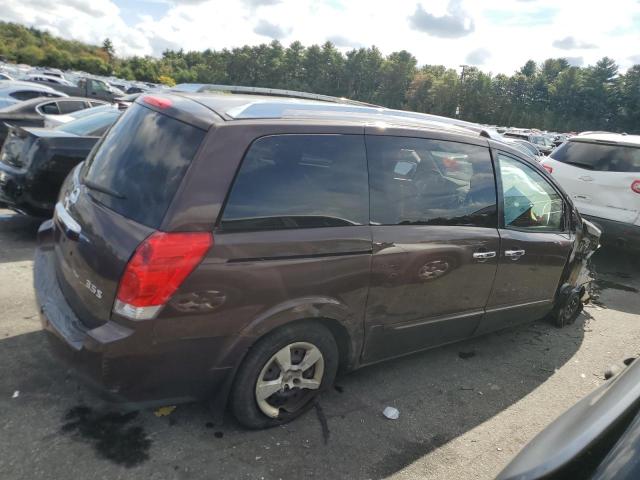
(25, 94)
(49, 108)
(300, 181)
(416, 181)
(69, 106)
(529, 201)
(97, 86)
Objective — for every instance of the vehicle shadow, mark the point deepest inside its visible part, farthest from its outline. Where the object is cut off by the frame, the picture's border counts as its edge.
(18, 234)
(617, 284)
(441, 394)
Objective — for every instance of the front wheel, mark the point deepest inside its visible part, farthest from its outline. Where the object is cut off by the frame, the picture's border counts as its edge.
(282, 375)
(568, 311)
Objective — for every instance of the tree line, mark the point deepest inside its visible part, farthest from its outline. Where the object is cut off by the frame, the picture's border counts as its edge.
(551, 95)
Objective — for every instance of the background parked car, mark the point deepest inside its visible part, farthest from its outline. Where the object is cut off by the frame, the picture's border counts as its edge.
(48, 80)
(525, 146)
(35, 161)
(89, 87)
(52, 121)
(12, 92)
(601, 171)
(544, 143)
(31, 113)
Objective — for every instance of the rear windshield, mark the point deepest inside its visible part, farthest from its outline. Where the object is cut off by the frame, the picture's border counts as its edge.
(139, 164)
(599, 157)
(95, 124)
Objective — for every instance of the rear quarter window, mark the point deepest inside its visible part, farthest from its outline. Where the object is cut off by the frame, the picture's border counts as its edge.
(300, 181)
(141, 162)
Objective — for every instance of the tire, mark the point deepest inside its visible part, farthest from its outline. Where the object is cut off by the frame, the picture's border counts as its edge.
(262, 372)
(568, 311)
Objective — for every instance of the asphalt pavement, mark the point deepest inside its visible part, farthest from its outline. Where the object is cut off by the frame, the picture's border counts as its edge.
(465, 409)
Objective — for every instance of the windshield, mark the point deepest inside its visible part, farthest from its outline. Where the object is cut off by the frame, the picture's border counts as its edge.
(95, 124)
(90, 111)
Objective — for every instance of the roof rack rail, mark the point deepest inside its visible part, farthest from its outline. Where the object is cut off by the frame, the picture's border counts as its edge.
(211, 87)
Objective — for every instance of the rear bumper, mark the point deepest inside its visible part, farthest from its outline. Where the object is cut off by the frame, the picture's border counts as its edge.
(124, 363)
(618, 234)
(15, 193)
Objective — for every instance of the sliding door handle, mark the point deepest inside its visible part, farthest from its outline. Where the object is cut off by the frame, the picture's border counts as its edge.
(484, 255)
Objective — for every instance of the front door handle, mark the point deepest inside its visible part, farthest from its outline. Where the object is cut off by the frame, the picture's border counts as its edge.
(514, 254)
(586, 178)
(484, 255)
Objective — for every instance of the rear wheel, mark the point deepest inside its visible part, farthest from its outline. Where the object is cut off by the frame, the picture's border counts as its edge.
(283, 374)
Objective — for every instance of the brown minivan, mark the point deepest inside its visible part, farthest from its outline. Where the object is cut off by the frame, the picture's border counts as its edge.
(245, 248)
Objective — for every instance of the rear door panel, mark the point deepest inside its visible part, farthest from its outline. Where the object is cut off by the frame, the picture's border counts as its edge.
(433, 211)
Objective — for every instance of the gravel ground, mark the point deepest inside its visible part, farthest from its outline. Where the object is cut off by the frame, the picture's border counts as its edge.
(459, 417)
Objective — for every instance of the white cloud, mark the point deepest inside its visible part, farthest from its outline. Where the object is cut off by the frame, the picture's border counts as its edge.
(512, 31)
(571, 43)
(479, 56)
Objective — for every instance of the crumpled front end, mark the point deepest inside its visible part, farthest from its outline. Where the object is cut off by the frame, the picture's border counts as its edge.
(587, 243)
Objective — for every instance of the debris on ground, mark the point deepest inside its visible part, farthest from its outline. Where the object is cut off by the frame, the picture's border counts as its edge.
(465, 355)
(612, 371)
(164, 411)
(323, 422)
(16, 394)
(391, 413)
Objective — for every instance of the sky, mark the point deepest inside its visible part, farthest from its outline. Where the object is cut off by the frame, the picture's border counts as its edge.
(498, 36)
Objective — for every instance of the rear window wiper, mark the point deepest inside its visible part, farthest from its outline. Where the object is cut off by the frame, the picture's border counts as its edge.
(102, 189)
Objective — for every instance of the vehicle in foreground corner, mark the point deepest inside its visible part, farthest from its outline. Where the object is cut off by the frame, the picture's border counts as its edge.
(247, 247)
(598, 438)
(35, 161)
(601, 171)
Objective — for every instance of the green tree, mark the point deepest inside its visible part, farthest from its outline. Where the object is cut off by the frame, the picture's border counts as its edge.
(107, 48)
(396, 74)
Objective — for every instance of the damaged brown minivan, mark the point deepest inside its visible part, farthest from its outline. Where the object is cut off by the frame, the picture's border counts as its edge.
(245, 248)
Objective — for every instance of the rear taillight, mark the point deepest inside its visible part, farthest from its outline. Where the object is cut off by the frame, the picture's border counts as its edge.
(635, 186)
(158, 267)
(548, 168)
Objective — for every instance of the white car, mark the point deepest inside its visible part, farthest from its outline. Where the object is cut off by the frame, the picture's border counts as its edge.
(601, 172)
(53, 81)
(12, 92)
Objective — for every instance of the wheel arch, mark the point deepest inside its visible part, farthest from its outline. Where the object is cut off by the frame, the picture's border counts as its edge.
(345, 326)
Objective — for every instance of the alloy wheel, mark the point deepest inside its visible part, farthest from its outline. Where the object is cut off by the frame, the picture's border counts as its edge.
(289, 379)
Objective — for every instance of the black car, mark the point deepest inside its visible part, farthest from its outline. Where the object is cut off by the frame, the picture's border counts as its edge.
(30, 113)
(598, 438)
(35, 161)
